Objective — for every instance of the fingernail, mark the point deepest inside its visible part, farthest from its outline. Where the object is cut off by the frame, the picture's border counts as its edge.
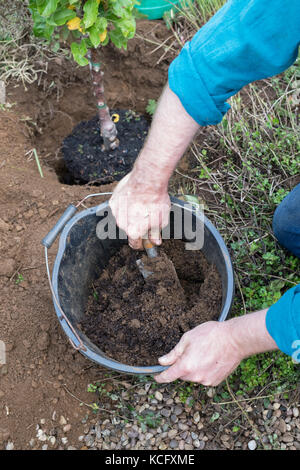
(163, 359)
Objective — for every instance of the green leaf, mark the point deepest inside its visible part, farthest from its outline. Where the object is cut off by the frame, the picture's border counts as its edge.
(214, 417)
(101, 24)
(117, 38)
(60, 17)
(95, 31)
(122, 8)
(151, 106)
(94, 36)
(40, 28)
(64, 33)
(47, 7)
(127, 26)
(79, 50)
(90, 13)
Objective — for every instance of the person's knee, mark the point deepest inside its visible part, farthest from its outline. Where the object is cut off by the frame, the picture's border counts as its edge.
(286, 222)
(279, 224)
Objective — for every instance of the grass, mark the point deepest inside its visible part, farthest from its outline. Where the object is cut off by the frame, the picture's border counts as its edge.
(185, 20)
(23, 57)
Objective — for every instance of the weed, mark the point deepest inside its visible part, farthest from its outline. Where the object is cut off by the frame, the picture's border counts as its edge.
(19, 279)
(130, 115)
(148, 419)
(151, 107)
(96, 295)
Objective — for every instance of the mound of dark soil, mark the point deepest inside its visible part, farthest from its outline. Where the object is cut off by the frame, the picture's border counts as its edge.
(134, 320)
(86, 161)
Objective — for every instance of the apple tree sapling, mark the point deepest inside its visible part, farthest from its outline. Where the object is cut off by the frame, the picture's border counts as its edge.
(90, 25)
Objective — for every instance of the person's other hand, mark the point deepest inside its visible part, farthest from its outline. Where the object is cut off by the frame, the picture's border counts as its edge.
(140, 208)
(206, 355)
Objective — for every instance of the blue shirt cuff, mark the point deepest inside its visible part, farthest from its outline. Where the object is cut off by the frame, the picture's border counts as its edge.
(187, 84)
(283, 322)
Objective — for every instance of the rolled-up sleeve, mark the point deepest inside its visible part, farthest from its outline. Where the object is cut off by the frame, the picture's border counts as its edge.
(283, 322)
(243, 42)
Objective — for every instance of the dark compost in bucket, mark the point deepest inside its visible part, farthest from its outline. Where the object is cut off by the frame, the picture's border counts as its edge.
(135, 320)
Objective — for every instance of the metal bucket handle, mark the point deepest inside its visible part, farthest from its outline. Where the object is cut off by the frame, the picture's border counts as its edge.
(48, 241)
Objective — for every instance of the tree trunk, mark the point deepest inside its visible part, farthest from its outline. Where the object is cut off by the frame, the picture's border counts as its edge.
(108, 128)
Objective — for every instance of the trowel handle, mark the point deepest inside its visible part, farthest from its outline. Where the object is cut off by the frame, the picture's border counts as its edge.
(151, 249)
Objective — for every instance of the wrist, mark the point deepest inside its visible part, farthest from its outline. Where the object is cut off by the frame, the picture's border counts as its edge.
(149, 176)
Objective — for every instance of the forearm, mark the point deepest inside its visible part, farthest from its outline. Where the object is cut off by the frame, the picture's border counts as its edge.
(250, 335)
(171, 132)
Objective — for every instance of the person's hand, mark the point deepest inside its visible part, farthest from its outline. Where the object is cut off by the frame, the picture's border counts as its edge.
(207, 355)
(140, 208)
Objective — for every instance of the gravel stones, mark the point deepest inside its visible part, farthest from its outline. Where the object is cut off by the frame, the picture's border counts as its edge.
(158, 395)
(162, 422)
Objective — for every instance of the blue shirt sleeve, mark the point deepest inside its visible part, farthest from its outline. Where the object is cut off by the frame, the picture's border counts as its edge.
(243, 42)
(283, 322)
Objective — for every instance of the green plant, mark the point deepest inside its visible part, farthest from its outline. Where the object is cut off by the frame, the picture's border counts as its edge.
(19, 279)
(148, 419)
(151, 107)
(132, 115)
(90, 24)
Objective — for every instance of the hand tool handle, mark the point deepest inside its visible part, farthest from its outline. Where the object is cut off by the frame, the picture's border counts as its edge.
(151, 249)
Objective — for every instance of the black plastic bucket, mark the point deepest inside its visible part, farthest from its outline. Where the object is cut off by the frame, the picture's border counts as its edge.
(82, 256)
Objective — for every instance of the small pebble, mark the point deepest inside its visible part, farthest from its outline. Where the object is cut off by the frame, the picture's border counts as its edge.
(172, 433)
(252, 445)
(165, 412)
(201, 445)
(211, 392)
(9, 445)
(41, 435)
(287, 437)
(173, 444)
(178, 410)
(62, 421)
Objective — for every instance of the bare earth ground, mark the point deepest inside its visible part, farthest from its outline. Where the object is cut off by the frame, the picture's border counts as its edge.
(43, 385)
(40, 362)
